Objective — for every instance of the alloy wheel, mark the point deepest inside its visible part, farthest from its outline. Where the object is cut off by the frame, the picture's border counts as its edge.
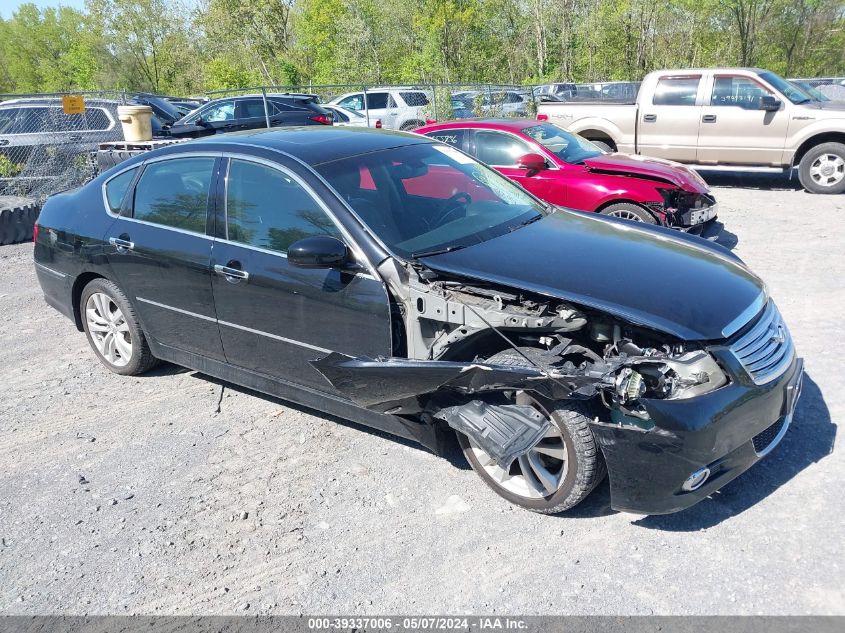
(109, 329)
(537, 474)
(625, 215)
(828, 170)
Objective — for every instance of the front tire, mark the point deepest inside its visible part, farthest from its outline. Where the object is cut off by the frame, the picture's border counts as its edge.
(629, 211)
(113, 330)
(822, 169)
(560, 471)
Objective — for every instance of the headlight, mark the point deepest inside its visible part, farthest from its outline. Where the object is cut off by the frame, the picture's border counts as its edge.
(693, 374)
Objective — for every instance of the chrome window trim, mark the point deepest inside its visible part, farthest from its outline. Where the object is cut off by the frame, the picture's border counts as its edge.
(204, 317)
(357, 252)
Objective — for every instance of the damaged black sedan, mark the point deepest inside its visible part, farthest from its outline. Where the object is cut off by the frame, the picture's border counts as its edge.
(397, 282)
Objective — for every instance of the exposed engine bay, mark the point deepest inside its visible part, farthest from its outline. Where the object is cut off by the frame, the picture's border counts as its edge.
(447, 330)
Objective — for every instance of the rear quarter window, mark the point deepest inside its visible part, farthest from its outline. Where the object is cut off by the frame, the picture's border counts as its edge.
(116, 189)
(414, 99)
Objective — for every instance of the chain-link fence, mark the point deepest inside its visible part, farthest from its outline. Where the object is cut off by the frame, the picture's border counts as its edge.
(401, 107)
(48, 143)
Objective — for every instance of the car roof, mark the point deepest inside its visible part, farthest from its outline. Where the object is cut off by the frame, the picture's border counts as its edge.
(513, 125)
(313, 145)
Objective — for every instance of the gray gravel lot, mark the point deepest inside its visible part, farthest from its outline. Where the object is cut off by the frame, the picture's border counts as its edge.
(135, 495)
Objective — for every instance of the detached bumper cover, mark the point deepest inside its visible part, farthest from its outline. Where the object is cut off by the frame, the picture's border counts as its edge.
(648, 468)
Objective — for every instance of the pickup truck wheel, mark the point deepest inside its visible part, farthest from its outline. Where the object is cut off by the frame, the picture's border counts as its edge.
(822, 169)
(113, 329)
(560, 471)
(629, 211)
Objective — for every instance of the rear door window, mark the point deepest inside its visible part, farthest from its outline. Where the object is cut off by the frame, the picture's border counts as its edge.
(254, 108)
(455, 138)
(496, 148)
(676, 91)
(377, 100)
(269, 209)
(174, 193)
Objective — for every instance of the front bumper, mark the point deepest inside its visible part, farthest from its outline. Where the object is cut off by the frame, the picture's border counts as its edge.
(710, 230)
(718, 431)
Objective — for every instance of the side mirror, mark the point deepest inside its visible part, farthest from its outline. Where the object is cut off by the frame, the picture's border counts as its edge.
(531, 162)
(769, 103)
(319, 251)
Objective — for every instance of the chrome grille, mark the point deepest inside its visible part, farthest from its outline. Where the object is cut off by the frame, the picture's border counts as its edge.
(765, 350)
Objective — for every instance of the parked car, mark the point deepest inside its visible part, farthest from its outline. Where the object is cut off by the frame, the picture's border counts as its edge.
(351, 118)
(463, 107)
(555, 91)
(720, 116)
(495, 102)
(247, 112)
(166, 113)
(424, 294)
(566, 170)
(43, 149)
(398, 108)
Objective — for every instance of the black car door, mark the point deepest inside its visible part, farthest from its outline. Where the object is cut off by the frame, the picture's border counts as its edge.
(213, 118)
(274, 318)
(250, 115)
(160, 252)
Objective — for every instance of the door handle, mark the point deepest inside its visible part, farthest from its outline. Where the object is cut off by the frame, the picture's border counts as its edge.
(708, 118)
(121, 245)
(231, 274)
(649, 118)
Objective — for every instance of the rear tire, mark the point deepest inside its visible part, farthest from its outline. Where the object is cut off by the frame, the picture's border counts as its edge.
(578, 473)
(822, 169)
(17, 219)
(629, 211)
(113, 329)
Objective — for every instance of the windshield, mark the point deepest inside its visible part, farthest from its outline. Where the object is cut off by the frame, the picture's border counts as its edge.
(786, 88)
(569, 147)
(428, 198)
(817, 95)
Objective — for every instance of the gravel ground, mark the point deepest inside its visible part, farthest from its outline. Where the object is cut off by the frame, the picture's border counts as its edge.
(137, 495)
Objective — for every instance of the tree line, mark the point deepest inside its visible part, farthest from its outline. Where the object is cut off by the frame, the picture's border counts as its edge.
(193, 46)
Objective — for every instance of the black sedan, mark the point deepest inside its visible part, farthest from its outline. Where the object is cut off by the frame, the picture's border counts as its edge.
(250, 112)
(395, 281)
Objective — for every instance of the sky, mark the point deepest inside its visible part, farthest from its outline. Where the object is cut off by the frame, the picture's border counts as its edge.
(7, 7)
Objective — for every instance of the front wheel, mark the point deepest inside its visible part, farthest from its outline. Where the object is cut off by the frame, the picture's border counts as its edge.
(822, 169)
(113, 330)
(629, 211)
(557, 473)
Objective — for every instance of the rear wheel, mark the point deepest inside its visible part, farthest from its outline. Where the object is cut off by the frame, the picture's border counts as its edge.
(113, 330)
(556, 474)
(822, 169)
(629, 211)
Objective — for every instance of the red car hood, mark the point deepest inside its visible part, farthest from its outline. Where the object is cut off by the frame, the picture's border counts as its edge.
(651, 168)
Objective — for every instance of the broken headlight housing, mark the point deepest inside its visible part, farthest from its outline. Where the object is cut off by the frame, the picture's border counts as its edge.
(693, 374)
(688, 375)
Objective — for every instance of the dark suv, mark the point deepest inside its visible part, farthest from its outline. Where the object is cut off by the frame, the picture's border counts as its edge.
(247, 112)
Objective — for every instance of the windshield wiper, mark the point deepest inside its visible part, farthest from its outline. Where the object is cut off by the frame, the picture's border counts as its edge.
(528, 221)
(437, 251)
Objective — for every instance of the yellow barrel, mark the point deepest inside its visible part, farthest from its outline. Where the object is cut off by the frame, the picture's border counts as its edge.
(135, 120)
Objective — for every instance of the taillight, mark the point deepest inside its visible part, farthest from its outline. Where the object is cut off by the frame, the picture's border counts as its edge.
(35, 233)
(378, 124)
(322, 118)
(542, 117)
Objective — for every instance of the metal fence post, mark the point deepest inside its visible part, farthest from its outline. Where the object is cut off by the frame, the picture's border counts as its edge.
(434, 101)
(264, 99)
(366, 105)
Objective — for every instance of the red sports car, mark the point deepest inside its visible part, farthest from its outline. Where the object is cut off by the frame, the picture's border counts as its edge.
(567, 170)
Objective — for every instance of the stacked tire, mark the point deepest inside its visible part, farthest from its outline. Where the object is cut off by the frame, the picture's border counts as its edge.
(17, 219)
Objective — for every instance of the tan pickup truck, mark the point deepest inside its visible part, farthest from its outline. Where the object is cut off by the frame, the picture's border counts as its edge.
(743, 117)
